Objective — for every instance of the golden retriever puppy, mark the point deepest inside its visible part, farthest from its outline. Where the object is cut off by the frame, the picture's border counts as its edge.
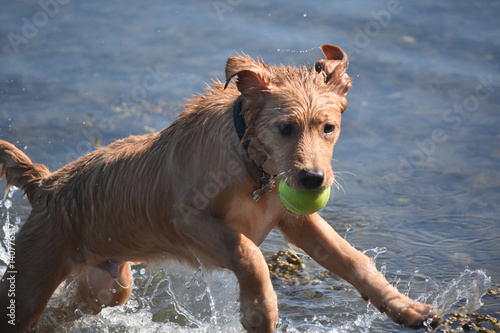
(203, 188)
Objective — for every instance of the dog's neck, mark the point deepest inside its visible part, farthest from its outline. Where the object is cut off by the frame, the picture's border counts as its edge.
(267, 180)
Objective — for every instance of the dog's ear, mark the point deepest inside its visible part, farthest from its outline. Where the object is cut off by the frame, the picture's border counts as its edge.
(254, 80)
(334, 68)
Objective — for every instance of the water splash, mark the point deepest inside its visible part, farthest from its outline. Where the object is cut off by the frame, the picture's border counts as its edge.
(182, 300)
(463, 294)
(375, 252)
(207, 302)
(408, 286)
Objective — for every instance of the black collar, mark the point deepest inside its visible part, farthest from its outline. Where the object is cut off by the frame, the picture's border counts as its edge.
(267, 181)
(239, 123)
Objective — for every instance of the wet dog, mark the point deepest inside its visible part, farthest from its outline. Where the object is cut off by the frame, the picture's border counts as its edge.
(201, 189)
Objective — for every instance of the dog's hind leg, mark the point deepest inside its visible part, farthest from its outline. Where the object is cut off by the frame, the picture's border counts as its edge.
(107, 284)
(40, 259)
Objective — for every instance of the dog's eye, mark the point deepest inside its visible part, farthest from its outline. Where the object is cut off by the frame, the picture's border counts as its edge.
(285, 129)
(329, 129)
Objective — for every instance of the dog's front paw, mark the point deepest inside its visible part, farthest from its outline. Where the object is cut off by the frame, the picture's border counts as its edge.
(412, 314)
(260, 314)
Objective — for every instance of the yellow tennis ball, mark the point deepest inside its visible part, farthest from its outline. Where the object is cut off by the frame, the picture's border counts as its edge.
(302, 202)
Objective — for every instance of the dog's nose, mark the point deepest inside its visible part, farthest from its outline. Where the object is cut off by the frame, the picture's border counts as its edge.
(311, 179)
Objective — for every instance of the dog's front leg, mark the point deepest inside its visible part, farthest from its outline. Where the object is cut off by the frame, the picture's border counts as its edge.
(210, 239)
(324, 245)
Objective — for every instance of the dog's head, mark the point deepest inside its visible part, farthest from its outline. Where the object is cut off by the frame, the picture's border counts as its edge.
(293, 115)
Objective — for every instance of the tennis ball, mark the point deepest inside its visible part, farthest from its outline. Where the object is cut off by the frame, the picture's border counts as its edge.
(302, 202)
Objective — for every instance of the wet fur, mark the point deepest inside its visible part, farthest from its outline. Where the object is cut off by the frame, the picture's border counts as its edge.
(186, 193)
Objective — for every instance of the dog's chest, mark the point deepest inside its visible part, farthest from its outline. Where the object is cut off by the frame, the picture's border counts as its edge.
(254, 219)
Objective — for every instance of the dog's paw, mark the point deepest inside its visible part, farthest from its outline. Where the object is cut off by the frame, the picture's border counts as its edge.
(260, 314)
(413, 314)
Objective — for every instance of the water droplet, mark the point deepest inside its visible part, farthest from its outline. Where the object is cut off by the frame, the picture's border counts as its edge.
(383, 268)
(109, 239)
(7, 203)
(348, 228)
(305, 14)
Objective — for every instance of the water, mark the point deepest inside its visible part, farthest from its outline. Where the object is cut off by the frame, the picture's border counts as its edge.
(419, 154)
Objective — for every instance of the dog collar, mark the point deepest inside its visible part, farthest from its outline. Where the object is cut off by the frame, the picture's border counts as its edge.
(239, 123)
(267, 181)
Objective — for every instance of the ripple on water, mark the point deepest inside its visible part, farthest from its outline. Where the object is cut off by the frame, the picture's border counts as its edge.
(346, 203)
(443, 226)
(428, 183)
(460, 239)
(459, 227)
(443, 185)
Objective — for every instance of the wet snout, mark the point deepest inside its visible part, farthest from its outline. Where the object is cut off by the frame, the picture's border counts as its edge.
(311, 179)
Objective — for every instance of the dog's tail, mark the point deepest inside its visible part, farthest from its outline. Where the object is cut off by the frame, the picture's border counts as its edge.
(19, 169)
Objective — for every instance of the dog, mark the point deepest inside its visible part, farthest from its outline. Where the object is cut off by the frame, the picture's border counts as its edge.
(202, 189)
